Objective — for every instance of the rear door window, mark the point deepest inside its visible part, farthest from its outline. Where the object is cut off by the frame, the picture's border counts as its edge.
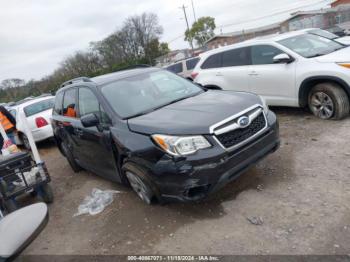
(213, 61)
(264, 54)
(236, 57)
(13, 112)
(58, 104)
(69, 103)
(176, 68)
(191, 63)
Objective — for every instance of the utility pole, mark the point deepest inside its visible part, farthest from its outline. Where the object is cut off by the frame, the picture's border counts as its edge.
(194, 13)
(188, 27)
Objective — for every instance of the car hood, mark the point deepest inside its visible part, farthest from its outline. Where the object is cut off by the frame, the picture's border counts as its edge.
(193, 115)
(342, 55)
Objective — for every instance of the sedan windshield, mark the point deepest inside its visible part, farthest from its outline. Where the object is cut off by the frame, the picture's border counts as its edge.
(308, 45)
(146, 92)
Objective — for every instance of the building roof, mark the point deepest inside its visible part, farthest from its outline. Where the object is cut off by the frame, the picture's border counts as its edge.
(248, 31)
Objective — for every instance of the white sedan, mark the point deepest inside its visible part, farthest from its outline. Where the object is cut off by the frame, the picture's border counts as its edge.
(38, 112)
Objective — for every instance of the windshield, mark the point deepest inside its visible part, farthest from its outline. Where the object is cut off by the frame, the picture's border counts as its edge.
(39, 107)
(308, 45)
(143, 93)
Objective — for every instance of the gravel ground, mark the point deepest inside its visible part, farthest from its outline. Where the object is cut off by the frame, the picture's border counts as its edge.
(296, 201)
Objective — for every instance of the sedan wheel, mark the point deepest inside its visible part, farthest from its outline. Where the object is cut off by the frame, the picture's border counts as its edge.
(141, 189)
(322, 105)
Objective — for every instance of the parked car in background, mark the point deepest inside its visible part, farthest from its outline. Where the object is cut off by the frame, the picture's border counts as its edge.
(183, 68)
(337, 31)
(296, 69)
(165, 136)
(38, 112)
(345, 40)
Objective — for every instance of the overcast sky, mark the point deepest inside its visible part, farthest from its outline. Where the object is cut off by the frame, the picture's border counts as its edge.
(35, 35)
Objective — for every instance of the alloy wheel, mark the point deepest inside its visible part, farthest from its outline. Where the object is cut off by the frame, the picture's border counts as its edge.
(322, 105)
(139, 187)
(26, 142)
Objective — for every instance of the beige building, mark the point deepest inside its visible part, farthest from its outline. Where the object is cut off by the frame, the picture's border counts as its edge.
(337, 16)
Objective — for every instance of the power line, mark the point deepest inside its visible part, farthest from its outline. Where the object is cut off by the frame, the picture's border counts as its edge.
(194, 13)
(274, 14)
(261, 17)
(188, 27)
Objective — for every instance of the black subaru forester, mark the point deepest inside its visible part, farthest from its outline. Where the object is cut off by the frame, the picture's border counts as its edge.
(166, 137)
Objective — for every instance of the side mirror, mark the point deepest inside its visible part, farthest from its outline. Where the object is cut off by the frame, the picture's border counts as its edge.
(282, 59)
(90, 120)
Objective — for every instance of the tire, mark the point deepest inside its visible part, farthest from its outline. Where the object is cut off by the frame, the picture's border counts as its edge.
(3, 186)
(45, 193)
(328, 101)
(25, 142)
(10, 206)
(138, 181)
(73, 164)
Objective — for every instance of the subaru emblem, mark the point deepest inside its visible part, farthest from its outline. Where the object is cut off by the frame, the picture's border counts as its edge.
(243, 121)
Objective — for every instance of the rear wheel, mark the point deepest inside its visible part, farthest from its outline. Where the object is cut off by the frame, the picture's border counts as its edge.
(72, 162)
(25, 141)
(329, 101)
(139, 183)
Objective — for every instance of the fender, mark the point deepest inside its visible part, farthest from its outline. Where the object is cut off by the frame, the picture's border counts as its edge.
(310, 82)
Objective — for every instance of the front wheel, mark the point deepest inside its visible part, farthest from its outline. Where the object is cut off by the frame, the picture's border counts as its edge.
(139, 183)
(329, 101)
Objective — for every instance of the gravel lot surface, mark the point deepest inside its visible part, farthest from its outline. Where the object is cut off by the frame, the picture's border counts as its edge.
(296, 201)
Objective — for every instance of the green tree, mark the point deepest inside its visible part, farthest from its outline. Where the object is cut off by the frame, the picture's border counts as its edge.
(201, 31)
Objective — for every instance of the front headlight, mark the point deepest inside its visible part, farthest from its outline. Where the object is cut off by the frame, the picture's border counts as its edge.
(263, 103)
(181, 145)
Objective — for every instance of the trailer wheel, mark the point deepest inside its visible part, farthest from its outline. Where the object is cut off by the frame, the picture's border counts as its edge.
(10, 206)
(45, 193)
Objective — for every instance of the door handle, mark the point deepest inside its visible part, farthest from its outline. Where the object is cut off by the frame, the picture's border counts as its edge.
(253, 73)
(219, 74)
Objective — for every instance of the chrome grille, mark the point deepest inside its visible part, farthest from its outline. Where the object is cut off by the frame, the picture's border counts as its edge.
(237, 136)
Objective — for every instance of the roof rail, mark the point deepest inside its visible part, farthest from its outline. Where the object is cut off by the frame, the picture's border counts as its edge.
(75, 80)
(134, 67)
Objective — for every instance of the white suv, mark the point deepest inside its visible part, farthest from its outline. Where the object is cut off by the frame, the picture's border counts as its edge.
(295, 69)
(183, 68)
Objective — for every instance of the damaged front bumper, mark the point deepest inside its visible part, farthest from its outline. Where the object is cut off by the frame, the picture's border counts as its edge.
(195, 177)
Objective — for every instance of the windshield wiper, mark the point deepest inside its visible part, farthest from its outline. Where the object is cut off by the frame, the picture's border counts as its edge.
(155, 108)
(163, 105)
